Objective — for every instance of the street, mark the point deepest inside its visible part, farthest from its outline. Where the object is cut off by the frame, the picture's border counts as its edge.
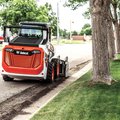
(77, 54)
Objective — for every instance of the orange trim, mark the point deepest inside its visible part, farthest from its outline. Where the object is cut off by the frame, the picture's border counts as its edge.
(22, 64)
(58, 69)
(53, 74)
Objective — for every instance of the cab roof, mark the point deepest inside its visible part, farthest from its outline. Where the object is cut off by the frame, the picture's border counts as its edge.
(35, 24)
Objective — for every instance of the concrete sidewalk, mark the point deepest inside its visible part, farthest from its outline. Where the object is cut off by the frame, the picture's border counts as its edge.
(35, 107)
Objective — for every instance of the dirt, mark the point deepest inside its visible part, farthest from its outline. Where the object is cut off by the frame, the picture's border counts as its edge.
(12, 106)
(78, 67)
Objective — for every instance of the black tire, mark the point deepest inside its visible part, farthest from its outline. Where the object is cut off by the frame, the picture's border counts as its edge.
(50, 73)
(6, 78)
(66, 69)
(62, 68)
(56, 67)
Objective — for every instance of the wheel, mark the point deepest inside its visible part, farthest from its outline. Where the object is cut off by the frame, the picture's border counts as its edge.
(56, 67)
(64, 68)
(6, 78)
(50, 73)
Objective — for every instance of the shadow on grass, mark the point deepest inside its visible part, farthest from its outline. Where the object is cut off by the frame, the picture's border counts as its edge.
(99, 102)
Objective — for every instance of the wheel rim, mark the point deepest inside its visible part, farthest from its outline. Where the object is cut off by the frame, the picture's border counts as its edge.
(58, 69)
(53, 74)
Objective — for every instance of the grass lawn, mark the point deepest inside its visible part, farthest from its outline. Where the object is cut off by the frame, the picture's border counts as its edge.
(118, 56)
(79, 101)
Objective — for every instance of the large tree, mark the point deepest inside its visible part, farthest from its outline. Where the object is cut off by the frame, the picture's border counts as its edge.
(110, 33)
(15, 11)
(18, 10)
(99, 14)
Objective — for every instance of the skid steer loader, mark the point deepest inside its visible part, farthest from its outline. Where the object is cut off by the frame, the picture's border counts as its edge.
(28, 53)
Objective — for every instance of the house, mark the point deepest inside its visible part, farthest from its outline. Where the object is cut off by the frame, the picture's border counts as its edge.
(78, 37)
(82, 37)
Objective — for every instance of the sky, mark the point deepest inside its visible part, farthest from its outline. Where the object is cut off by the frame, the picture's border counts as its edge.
(67, 16)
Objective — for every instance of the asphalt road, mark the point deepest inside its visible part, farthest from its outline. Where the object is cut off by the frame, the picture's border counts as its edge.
(77, 54)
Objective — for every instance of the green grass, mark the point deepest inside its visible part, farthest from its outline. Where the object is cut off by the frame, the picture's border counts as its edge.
(118, 56)
(63, 41)
(115, 70)
(80, 101)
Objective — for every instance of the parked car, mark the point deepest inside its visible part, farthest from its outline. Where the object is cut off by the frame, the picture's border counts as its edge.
(1, 37)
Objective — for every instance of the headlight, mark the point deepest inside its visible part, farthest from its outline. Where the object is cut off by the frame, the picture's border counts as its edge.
(9, 50)
(36, 52)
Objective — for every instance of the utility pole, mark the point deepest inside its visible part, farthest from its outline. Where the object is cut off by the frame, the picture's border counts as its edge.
(71, 22)
(119, 16)
(70, 30)
(58, 35)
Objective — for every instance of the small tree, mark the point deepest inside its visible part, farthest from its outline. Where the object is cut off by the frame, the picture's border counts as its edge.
(74, 32)
(86, 29)
(64, 33)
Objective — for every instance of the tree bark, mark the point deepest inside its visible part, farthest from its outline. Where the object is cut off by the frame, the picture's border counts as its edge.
(117, 36)
(116, 26)
(99, 10)
(111, 39)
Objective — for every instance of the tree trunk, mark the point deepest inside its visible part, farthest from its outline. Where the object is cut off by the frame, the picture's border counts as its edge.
(99, 9)
(116, 26)
(117, 36)
(111, 40)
